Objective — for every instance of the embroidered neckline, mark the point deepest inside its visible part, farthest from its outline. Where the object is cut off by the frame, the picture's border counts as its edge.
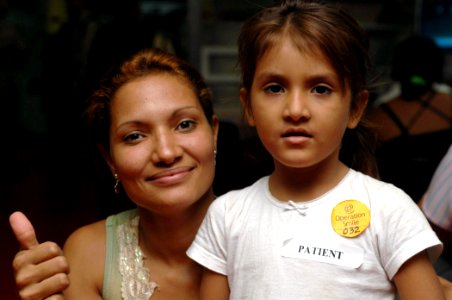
(136, 283)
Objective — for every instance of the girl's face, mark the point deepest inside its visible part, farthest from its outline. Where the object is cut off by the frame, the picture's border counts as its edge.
(299, 107)
(162, 146)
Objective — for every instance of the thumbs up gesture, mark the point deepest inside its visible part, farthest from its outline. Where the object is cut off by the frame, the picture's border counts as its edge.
(40, 270)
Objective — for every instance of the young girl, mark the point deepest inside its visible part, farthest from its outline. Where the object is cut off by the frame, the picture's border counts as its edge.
(315, 228)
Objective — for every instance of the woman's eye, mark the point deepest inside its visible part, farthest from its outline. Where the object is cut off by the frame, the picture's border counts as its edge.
(132, 137)
(321, 89)
(274, 89)
(186, 125)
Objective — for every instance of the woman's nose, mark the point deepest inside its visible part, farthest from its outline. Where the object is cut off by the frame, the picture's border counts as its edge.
(166, 149)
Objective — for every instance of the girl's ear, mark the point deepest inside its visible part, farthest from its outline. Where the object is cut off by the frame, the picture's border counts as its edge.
(358, 109)
(107, 156)
(246, 106)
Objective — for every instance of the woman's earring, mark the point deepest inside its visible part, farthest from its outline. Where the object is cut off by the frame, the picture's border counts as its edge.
(116, 186)
(215, 157)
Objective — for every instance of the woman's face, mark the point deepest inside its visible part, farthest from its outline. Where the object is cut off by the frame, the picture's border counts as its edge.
(162, 145)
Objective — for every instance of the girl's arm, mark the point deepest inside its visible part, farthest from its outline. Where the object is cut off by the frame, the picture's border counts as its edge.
(85, 252)
(416, 279)
(214, 286)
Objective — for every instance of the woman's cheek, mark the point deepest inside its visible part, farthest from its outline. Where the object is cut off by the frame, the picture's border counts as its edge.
(130, 162)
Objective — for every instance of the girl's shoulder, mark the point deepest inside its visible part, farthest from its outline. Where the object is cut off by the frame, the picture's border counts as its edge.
(258, 186)
(374, 187)
(240, 198)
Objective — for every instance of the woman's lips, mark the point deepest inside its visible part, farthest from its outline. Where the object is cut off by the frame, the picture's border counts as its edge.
(170, 176)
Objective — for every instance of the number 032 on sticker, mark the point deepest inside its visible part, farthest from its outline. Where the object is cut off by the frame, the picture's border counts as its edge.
(350, 218)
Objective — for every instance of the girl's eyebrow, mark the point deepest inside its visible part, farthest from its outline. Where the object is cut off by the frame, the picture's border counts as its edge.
(327, 77)
(270, 75)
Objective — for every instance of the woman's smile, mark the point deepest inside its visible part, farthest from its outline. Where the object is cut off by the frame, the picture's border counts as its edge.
(171, 176)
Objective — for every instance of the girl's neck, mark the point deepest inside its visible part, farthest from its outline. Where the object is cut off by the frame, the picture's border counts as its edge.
(305, 184)
(168, 237)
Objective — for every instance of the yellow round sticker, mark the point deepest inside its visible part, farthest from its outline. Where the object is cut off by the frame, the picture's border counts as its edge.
(350, 218)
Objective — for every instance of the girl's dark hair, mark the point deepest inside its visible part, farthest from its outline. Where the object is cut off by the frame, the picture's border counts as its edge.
(144, 63)
(313, 25)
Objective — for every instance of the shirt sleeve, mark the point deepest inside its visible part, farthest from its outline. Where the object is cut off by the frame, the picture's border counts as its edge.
(209, 246)
(404, 231)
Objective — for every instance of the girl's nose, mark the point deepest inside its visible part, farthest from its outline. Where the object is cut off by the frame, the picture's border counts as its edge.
(166, 149)
(296, 108)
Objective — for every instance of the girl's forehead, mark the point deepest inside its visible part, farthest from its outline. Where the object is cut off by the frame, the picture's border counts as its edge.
(304, 45)
(286, 49)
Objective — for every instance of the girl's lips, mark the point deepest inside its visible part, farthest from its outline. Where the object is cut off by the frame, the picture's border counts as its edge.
(296, 135)
(296, 139)
(296, 132)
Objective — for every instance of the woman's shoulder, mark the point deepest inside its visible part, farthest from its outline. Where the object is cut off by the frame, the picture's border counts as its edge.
(92, 237)
(94, 231)
(85, 253)
(120, 218)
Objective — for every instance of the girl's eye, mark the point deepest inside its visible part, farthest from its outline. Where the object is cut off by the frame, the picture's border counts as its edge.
(186, 125)
(321, 89)
(133, 137)
(274, 89)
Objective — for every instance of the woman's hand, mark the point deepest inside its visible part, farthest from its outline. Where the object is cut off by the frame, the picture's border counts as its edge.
(41, 270)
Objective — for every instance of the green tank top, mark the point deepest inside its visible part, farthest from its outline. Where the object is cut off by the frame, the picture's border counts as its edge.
(112, 277)
(125, 275)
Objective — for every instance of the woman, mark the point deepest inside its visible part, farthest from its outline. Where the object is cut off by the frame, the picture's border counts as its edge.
(153, 122)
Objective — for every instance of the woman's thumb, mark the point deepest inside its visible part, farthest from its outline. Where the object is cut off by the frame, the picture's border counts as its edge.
(23, 230)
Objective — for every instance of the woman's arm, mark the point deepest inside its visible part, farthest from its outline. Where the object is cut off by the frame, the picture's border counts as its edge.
(214, 286)
(447, 287)
(85, 252)
(416, 279)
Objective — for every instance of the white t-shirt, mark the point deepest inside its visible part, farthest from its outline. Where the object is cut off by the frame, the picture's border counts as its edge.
(271, 249)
